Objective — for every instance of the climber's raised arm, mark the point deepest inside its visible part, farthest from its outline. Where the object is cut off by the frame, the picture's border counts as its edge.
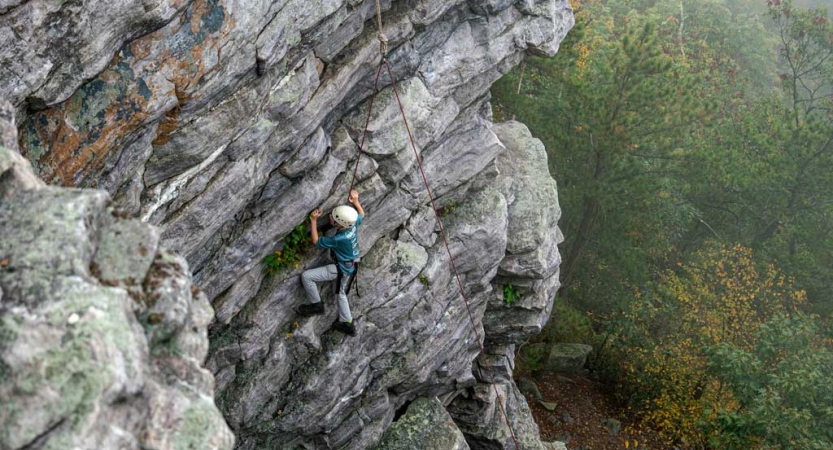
(313, 226)
(354, 199)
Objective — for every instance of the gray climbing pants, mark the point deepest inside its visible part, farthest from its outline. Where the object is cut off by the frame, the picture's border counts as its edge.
(328, 273)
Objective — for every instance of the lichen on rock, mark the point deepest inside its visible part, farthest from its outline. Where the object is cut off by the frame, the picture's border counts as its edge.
(78, 366)
(426, 424)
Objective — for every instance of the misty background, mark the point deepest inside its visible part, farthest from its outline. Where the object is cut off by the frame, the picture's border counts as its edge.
(693, 147)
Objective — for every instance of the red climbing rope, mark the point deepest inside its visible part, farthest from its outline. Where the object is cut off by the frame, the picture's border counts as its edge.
(451, 258)
(383, 47)
(366, 124)
(439, 222)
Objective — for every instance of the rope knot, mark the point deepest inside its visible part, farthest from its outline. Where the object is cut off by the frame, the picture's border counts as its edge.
(383, 43)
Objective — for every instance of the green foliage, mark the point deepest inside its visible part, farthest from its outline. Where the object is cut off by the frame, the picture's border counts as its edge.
(568, 324)
(726, 143)
(612, 109)
(692, 146)
(782, 387)
(769, 160)
(718, 296)
(510, 294)
(424, 280)
(295, 245)
(531, 358)
(448, 208)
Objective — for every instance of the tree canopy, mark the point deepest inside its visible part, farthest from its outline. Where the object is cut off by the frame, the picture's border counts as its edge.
(689, 137)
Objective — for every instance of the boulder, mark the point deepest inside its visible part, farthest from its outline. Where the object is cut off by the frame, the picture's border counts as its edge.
(425, 425)
(477, 412)
(528, 387)
(613, 426)
(568, 358)
(549, 406)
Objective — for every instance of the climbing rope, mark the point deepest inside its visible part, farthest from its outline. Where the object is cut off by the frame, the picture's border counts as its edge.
(383, 41)
(367, 122)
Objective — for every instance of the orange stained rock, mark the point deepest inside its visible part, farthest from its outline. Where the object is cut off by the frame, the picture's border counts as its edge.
(74, 139)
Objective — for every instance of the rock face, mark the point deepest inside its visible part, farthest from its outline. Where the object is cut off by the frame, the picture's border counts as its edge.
(68, 43)
(478, 414)
(225, 122)
(102, 333)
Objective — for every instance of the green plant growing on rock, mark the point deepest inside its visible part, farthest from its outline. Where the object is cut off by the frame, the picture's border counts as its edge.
(424, 280)
(291, 328)
(448, 208)
(296, 244)
(510, 294)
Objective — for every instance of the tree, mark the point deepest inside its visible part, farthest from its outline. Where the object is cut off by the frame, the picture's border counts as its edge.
(613, 109)
(770, 160)
(718, 297)
(782, 389)
(692, 146)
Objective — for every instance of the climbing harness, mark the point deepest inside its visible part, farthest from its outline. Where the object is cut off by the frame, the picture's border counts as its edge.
(383, 47)
(353, 280)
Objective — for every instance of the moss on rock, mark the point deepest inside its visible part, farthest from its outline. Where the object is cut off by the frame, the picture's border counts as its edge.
(425, 425)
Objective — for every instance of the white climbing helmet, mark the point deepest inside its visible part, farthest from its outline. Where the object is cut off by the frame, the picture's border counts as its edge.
(345, 216)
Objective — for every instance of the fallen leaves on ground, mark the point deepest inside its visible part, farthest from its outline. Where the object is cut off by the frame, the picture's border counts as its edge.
(582, 410)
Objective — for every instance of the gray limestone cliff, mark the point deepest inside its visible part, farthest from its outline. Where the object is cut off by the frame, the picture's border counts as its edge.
(102, 332)
(224, 122)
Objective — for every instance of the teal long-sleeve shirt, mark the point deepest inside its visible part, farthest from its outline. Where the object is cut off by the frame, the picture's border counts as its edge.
(345, 245)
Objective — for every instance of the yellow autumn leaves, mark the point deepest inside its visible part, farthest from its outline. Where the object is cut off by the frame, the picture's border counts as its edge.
(719, 296)
(295, 326)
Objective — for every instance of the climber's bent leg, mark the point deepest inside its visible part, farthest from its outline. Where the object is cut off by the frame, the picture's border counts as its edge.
(309, 278)
(312, 276)
(343, 306)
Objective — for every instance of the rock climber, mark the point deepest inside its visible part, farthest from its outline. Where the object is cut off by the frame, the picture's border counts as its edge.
(345, 246)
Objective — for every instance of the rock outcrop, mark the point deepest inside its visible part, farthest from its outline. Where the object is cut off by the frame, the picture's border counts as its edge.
(102, 333)
(225, 122)
(569, 358)
(426, 424)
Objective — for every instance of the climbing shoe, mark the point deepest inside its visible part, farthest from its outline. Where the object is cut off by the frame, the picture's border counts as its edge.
(347, 328)
(311, 309)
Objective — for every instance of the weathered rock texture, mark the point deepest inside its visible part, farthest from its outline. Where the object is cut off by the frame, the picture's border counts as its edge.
(102, 333)
(425, 425)
(226, 121)
(569, 358)
(281, 387)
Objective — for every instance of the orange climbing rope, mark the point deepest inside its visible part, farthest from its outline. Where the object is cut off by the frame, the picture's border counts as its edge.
(383, 41)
